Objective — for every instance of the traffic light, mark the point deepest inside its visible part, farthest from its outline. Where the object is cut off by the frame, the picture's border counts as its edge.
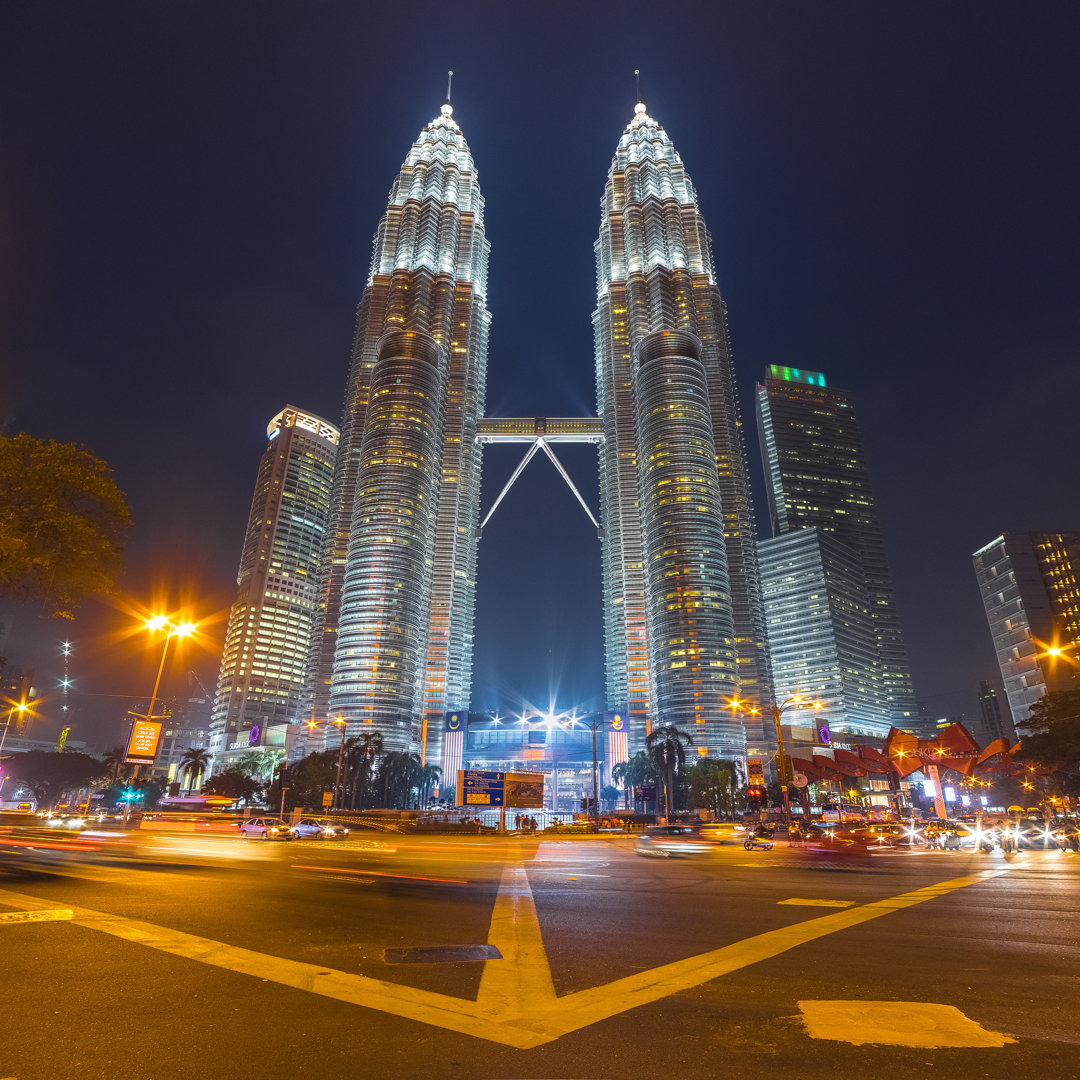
(754, 795)
(587, 804)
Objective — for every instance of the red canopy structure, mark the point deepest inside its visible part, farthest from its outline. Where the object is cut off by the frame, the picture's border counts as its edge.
(873, 761)
(848, 763)
(954, 748)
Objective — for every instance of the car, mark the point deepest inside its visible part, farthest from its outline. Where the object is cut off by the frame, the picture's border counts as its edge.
(722, 832)
(664, 841)
(310, 828)
(1035, 834)
(266, 828)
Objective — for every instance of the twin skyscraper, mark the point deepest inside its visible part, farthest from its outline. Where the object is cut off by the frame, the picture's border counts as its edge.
(390, 609)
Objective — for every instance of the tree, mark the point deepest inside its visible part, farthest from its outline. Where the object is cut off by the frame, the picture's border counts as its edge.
(399, 774)
(116, 760)
(713, 785)
(232, 784)
(1054, 723)
(306, 780)
(361, 754)
(609, 796)
(428, 777)
(666, 746)
(193, 764)
(49, 774)
(637, 770)
(260, 763)
(62, 523)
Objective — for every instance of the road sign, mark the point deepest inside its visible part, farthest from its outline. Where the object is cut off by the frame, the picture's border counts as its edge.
(755, 768)
(477, 787)
(327, 798)
(799, 780)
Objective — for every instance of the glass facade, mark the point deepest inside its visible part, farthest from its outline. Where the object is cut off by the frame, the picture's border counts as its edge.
(268, 638)
(816, 476)
(655, 273)
(821, 633)
(428, 277)
(1030, 587)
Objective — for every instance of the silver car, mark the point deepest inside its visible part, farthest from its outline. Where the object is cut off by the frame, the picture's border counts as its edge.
(310, 828)
(266, 828)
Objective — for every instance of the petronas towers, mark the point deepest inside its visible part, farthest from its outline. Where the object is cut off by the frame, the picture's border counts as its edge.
(684, 631)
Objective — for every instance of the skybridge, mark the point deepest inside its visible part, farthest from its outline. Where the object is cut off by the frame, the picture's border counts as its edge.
(539, 433)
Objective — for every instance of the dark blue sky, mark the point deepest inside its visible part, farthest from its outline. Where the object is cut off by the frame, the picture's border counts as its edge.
(188, 194)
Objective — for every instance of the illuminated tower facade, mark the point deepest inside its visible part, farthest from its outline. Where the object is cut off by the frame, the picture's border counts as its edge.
(684, 626)
(816, 474)
(268, 639)
(1030, 586)
(394, 649)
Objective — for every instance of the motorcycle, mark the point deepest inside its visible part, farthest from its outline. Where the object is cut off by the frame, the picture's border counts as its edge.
(754, 842)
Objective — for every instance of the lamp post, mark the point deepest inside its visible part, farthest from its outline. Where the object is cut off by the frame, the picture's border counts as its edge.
(783, 762)
(20, 708)
(180, 630)
(342, 725)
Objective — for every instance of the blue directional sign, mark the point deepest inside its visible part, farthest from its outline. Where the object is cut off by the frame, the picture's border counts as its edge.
(480, 788)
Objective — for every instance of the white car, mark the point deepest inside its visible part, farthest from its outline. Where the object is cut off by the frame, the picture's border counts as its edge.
(266, 828)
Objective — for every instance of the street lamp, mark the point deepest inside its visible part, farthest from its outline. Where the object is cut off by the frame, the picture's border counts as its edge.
(179, 630)
(17, 707)
(783, 762)
(342, 724)
(594, 724)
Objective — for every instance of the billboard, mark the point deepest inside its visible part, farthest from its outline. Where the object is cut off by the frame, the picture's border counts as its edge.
(524, 790)
(143, 742)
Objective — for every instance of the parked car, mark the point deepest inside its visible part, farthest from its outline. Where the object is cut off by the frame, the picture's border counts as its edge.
(664, 841)
(310, 828)
(266, 828)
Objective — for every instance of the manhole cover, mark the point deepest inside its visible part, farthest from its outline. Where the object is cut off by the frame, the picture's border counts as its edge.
(442, 954)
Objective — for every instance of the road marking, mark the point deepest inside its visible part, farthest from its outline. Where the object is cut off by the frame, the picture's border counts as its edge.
(41, 915)
(516, 1004)
(796, 901)
(896, 1023)
(380, 873)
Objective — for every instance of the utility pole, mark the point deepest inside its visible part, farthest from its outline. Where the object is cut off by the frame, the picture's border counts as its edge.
(783, 765)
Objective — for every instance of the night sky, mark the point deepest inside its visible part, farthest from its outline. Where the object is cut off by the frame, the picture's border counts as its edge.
(188, 194)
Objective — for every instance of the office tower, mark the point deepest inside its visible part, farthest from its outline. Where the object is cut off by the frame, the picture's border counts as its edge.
(1030, 591)
(399, 571)
(684, 631)
(992, 724)
(821, 633)
(816, 475)
(264, 661)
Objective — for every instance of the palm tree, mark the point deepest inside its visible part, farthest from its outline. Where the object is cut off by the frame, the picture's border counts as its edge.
(114, 759)
(193, 764)
(666, 746)
(361, 754)
(428, 776)
(633, 772)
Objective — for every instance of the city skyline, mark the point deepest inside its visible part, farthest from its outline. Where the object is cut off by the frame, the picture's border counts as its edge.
(206, 308)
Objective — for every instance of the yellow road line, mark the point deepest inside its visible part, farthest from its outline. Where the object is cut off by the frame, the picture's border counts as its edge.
(516, 1004)
(798, 902)
(40, 915)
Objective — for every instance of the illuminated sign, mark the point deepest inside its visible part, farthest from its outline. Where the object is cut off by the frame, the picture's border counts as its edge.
(143, 742)
(253, 735)
(616, 721)
(476, 787)
(790, 374)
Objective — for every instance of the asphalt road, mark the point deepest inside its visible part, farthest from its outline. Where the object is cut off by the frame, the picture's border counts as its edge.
(225, 960)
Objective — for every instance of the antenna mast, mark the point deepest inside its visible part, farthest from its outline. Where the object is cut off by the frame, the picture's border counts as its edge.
(449, 80)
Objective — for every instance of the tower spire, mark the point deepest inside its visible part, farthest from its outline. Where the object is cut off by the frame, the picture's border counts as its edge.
(637, 82)
(449, 81)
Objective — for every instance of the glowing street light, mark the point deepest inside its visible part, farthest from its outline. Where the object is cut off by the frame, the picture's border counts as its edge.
(783, 762)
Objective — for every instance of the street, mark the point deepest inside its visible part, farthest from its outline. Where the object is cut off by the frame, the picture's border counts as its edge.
(402, 956)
